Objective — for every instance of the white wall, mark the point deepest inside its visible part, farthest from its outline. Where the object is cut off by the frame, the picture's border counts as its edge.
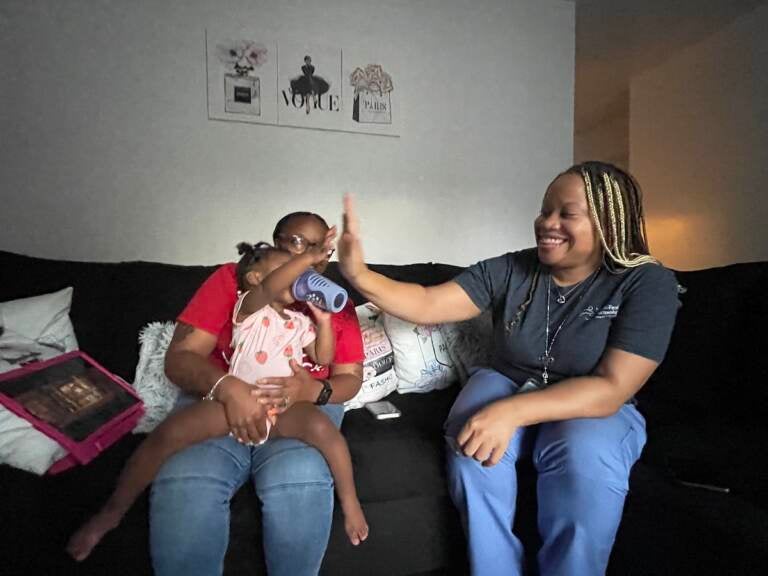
(107, 152)
(699, 147)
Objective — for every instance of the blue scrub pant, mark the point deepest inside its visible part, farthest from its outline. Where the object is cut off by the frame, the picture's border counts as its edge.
(583, 469)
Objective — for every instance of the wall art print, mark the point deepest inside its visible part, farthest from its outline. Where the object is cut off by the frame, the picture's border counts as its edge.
(372, 96)
(309, 86)
(255, 79)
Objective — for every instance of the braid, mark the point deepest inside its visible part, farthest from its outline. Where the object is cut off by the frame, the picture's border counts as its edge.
(615, 204)
(611, 213)
(517, 319)
(250, 254)
(615, 192)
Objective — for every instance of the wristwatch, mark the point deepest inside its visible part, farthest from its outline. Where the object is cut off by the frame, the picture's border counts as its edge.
(325, 393)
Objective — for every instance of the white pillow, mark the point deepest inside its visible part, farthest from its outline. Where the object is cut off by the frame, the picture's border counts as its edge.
(43, 319)
(422, 362)
(379, 378)
(33, 329)
(151, 384)
(25, 447)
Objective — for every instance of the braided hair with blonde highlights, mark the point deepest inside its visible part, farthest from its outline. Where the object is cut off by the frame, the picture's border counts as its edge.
(615, 203)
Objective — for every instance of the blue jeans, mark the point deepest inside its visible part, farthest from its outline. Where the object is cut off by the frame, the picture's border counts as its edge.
(583, 470)
(189, 504)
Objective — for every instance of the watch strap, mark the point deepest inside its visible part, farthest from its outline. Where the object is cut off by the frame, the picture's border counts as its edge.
(325, 393)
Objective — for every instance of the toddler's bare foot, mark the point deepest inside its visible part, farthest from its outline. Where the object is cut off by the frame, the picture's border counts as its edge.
(354, 521)
(82, 542)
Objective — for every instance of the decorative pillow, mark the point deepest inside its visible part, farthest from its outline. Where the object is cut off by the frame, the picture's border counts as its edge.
(23, 446)
(422, 362)
(470, 343)
(36, 328)
(379, 378)
(32, 329)
(151, 384)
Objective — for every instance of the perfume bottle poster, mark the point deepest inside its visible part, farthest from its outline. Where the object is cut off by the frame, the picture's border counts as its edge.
(242, 71)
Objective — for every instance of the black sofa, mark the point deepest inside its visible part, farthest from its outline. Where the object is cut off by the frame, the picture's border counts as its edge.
(708, 401)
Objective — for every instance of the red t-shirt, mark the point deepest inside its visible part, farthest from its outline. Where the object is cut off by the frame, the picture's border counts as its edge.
(211, 307)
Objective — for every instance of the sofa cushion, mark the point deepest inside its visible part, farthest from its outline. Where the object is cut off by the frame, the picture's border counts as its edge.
(154, 388)
(379, 378)
(470, 344)
(400, 457)
(422, 362)
(711, 368)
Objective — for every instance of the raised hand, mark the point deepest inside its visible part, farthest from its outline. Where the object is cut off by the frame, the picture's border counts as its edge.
(350, 248)
(323, 250)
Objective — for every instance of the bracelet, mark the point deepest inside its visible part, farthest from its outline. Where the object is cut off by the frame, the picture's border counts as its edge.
(210, 395)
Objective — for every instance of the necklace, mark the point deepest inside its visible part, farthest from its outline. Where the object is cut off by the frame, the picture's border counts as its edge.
(561, 297)
(547, 359)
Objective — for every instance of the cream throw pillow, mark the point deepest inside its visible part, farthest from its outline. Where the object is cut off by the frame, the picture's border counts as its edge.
(422, 362)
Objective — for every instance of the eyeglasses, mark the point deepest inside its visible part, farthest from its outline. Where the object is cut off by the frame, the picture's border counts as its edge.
(298, 244)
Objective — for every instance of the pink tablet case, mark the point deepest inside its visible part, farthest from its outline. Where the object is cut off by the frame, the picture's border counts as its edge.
(83, 450)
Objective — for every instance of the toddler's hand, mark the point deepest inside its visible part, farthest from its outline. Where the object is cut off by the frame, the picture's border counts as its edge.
(321, 316)
(323, 250)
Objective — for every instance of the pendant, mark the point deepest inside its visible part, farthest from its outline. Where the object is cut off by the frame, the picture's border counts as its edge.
(545, 360)
(561, 299)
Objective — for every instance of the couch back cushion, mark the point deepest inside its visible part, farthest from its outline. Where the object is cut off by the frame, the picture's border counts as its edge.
(111, 302)
(714, 369)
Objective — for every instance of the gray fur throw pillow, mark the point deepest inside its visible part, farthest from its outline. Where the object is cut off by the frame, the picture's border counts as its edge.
(158, 393)
(470, 343)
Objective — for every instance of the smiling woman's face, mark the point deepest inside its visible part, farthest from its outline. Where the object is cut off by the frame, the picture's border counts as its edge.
(566, 238)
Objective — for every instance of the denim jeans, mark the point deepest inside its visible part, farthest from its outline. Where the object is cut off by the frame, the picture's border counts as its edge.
(583, 470)
(189, 504)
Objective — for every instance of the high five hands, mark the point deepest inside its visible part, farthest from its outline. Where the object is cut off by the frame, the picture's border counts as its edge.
(349, 246)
